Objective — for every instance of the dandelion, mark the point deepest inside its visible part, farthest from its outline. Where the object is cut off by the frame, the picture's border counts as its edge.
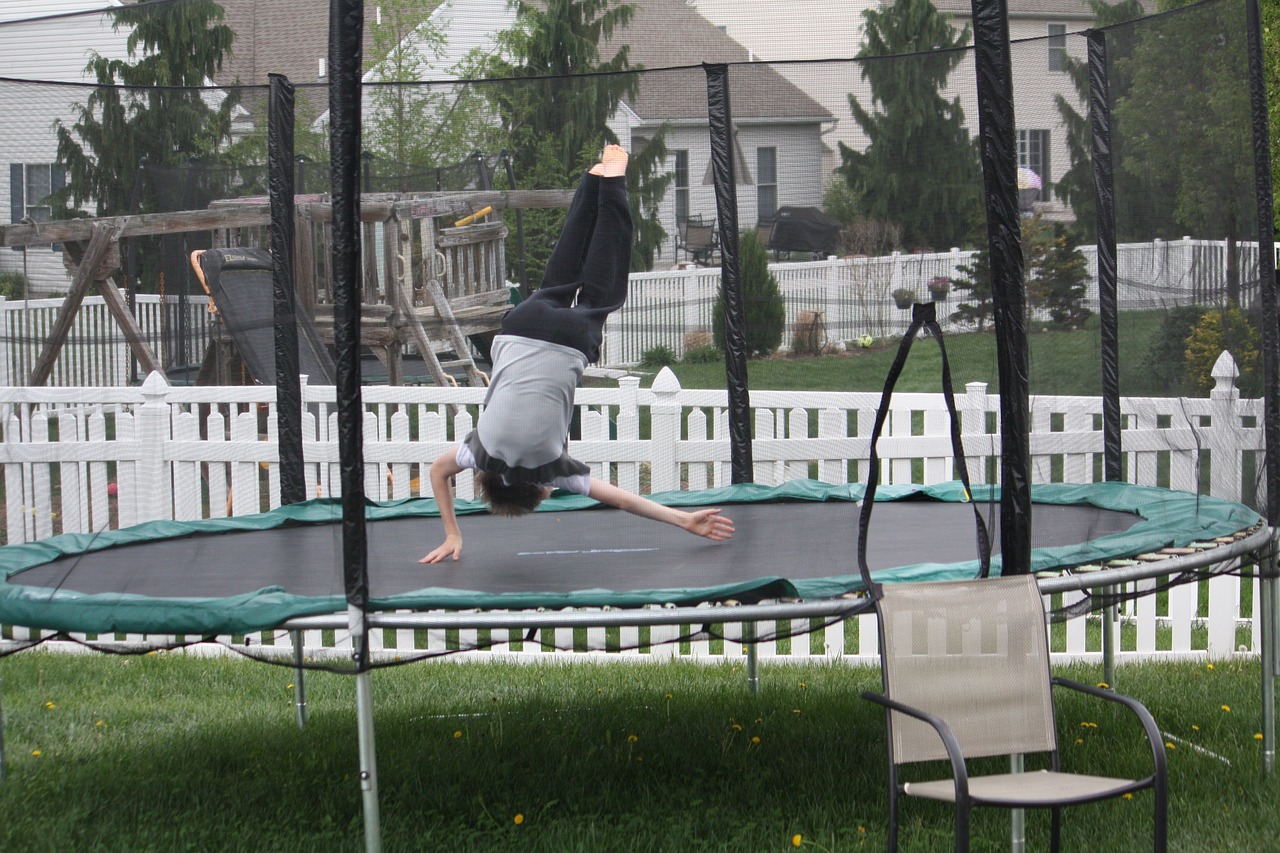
(50, 705)
(1257, 735)
(36, 753)
(1194, 727)
(1208, 666)
(1128, 796)
(862, 830)
(797, 840)
(100, 723)
(1087, 725)
(1168, 745)
(632, 738)
(518, 819)
(457, 734)
(667, 696)
(288, 687)
(804, 685)
(1102, 685)
(1079, 741)
(735, 726)
(755, 739)
(1226, 708)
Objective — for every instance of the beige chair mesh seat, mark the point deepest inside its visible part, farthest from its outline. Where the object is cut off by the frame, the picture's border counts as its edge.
(966, 675)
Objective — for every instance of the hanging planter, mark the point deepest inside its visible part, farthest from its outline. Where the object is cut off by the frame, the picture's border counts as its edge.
(939, 287)
(904, 297)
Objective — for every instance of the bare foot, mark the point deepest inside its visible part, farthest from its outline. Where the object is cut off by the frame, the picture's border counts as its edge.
(613, 162)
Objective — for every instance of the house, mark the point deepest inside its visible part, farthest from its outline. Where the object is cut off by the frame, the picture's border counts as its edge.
(284, 37)
(778, 30)
(780, 147)
(43, 40)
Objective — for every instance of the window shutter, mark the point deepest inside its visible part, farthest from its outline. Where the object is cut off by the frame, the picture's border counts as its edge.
(57, 180)
(16, 205)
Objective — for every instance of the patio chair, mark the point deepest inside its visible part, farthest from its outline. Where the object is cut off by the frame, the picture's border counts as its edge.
(698, 241)
(965, 668)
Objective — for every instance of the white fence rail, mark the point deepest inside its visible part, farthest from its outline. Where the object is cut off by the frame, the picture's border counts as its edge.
(89, 459)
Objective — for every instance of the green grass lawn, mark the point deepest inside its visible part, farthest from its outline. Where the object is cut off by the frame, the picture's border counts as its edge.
(164, 753)
(1061, 363)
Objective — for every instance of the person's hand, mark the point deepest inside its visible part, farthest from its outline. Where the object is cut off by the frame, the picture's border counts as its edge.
(452, 547)
(709, 523)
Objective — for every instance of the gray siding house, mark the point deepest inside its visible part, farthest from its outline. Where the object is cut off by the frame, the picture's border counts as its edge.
(54, 50)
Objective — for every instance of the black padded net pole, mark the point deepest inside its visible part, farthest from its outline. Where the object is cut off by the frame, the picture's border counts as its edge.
(346, 27)
(720, 117)
(998, 143)
(280, 153)
(1266, 259)
(1104, 191)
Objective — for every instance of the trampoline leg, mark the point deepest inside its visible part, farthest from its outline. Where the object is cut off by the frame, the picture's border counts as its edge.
(1109, 641)
(364, 730)
(1269, 613)
(753, 659)
(4, 767)
(1017, 817)
(299, 680)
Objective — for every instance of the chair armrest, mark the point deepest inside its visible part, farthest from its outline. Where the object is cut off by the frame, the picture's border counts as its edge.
(959, 771)
(1139, 710)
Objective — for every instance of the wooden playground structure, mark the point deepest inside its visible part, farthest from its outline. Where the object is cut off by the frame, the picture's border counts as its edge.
(434, 270)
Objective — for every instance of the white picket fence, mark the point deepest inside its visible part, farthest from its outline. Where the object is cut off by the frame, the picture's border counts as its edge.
(175, 452)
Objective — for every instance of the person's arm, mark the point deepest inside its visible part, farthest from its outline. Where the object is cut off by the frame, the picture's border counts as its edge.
(704, 522)
(444, 469)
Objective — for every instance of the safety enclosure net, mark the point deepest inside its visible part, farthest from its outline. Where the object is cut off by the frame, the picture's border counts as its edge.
(253, 270)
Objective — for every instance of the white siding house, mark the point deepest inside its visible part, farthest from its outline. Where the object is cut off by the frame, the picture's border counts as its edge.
(779, 127)
(775, 30)
(47, 50)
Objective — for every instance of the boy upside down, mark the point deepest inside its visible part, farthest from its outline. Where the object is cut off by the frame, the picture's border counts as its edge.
(519, 447)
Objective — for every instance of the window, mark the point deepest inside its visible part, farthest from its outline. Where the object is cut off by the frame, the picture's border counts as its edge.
(682, 186)
(766, 183)
(1057, 47)
(1033, 154)
(30, 185)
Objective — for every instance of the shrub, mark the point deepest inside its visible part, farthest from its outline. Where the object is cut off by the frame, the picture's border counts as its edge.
(1224, 329)
(709, 354)
(659, 356)
(13, 285)
(763, 307)
(1057, 276)
(810, 334)
(1167, 355)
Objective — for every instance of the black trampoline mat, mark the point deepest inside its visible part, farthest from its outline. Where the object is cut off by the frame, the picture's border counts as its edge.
(559, 552)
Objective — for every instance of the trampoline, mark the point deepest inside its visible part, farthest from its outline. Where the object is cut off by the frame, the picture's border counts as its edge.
(794, 544)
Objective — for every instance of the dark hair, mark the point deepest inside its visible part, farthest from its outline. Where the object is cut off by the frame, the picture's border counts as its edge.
(509, 499)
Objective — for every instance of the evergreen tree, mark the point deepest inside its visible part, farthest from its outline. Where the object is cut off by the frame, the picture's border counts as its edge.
(763, 307)
(155, 120)
(410, 125)
(921, 169)
(1075, 188)
(555, 113)
(1183, 124)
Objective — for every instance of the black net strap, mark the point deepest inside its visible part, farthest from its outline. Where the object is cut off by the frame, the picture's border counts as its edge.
(923, 316)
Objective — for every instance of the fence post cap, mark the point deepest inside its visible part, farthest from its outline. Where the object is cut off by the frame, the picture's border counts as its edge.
(665, 382)
(155, 383)
(1224, 375)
